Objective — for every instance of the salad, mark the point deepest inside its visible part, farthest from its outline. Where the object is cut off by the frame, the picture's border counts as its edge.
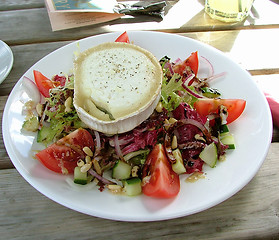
(188, 129)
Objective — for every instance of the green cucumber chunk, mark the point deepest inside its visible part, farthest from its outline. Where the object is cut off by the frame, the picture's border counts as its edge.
(121, 170)
(228, 139)
(224, 128)
(80, 177)
(132, 186)
(209, 155)
(31, 124)
(210, 92)
(137, 157)
(45, 134)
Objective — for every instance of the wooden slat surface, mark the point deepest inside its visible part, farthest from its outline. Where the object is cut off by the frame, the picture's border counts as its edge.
(185, 16)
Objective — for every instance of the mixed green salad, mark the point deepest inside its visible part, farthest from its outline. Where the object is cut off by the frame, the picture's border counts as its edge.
(188, 128)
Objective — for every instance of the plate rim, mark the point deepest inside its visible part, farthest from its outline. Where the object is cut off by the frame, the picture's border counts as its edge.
(10, 63)
(9, 151)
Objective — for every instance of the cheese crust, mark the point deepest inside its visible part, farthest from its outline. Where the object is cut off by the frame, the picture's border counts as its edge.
(116, 82)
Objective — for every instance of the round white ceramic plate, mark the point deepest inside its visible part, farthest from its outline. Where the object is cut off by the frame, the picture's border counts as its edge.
(253, 131)
(6, 60)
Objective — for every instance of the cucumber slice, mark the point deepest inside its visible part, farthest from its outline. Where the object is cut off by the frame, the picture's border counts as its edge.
(79, 177)
(228, 139)
(209, 155)
(45, 134)
(224, 128)
(121, 170)
(132, 186)
(178, 166)
(137, 157)
(31, 124)
(210, 92)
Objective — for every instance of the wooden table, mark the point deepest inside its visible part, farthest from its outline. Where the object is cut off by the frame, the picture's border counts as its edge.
(253, 213)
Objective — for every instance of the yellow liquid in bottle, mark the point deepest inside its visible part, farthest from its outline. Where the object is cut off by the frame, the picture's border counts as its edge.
(228, 10)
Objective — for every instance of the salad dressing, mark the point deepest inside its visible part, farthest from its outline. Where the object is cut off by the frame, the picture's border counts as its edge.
(195, 177)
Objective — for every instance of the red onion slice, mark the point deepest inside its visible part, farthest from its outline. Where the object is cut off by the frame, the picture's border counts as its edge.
(192, 92)
(117, 146)
(98, 143)
(219, 75)
(99, 177)
(198, 125)
(169, 66)
(30, 88)
(206, 69)
(188, 79)
(193, 122)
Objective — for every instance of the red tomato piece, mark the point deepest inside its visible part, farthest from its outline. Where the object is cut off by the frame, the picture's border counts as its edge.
(62, 156)
(43, 83)
(159, 180)
(123, 38)
(235, 107)
(192, 61)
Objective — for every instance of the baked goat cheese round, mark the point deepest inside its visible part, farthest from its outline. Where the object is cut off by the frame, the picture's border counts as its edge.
(117, 86)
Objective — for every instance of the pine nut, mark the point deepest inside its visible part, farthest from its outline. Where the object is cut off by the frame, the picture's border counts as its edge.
(159, 107)
(97, 166)
(114, 188)
(85, 167)
(172, 120)
(174, 142)
(135, 171)
(29, 105)
(167, 124)
(80, 163)
(68, 104)
(88, 151)
(199, 137)
(87, 159)
(177, 154)
(39, 109)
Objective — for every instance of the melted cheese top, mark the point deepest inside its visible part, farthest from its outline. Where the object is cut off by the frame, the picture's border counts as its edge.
(114, 80)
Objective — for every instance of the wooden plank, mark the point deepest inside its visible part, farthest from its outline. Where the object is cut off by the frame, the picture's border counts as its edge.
(270, 85)
(178, 19)
(19, 4)
(5, 161)
(250, 214)
(275, 136)
(24, 57)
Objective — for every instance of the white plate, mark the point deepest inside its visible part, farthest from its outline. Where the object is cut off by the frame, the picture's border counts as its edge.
(253, 132)
(6, 60)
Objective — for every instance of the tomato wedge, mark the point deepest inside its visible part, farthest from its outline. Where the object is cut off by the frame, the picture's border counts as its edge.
(43, 83)
(123, 38)
(192, 61)
(235, 107)
(62, 156)
(159, 180)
